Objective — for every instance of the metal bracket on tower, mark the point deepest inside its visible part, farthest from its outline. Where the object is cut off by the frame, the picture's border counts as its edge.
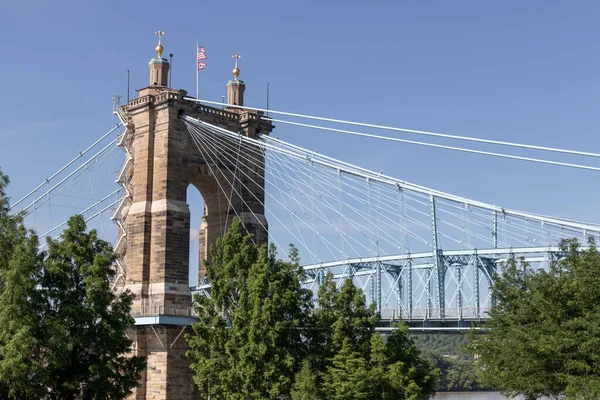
(157, 337)
(174, 341)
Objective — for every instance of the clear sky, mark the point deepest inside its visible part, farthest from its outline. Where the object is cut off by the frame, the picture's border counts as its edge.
(511, 70)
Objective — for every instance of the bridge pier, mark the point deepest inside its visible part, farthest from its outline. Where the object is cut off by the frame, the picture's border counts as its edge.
(155, 226)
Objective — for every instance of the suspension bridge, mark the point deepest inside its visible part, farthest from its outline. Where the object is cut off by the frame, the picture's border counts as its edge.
(420, 255)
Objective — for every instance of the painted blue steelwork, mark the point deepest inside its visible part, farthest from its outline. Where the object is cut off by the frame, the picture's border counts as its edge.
(464, 300)
(165, 320)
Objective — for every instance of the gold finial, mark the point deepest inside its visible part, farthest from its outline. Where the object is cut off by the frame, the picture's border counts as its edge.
(159, 49)
(236, 70)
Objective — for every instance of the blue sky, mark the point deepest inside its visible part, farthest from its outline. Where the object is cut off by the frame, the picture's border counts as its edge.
(510, 70)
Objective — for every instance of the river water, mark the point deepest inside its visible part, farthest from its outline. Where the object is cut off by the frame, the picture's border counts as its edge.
(472, 396)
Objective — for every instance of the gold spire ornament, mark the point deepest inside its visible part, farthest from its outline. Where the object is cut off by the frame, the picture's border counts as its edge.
(159, 49)
(236, 70)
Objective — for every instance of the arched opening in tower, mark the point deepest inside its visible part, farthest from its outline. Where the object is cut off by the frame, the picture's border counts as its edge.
(196, 203)
(209, 201)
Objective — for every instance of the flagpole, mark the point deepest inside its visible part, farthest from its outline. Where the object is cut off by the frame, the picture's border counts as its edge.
(197, 71)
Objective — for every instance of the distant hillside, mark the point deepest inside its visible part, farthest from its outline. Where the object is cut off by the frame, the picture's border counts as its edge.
(447, 352)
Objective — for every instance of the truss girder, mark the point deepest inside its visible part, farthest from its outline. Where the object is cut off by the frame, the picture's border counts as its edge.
(402, 287)
(407, 285)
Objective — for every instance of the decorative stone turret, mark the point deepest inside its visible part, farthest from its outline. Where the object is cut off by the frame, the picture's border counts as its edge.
(159, 71)
(236, 87)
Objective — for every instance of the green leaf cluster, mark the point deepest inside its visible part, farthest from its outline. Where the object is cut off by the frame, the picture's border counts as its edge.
(544, 331)
(62, 329)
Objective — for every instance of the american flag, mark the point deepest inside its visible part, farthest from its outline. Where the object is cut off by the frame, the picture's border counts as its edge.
(201, 56)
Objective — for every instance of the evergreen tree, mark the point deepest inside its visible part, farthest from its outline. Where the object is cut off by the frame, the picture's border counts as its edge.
(409, 375)
(305, 383)
(62, 330)
(354, 320)
(348, 377)
(342, 315)
(350, 360)
(257, 338)
(213, 353)
(249, 342)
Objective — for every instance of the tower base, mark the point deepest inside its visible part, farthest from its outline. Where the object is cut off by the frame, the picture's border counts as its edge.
(168, 375)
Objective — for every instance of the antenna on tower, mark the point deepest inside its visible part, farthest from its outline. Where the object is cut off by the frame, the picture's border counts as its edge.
(268, 83)
(171, 68)
(127, 85)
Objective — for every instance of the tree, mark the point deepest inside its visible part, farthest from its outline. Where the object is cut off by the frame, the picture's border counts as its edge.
(86, 321)
(342, 315)
(408, 375)
(20, 268)
(249, 342)
(305, 384)
(212, 352)
(62, 329)
(351, 361)
(348, 377)
(543, 334)
(257, 338)
(341, 319)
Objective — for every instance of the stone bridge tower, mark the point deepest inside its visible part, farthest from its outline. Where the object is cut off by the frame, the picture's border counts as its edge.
(162, 160)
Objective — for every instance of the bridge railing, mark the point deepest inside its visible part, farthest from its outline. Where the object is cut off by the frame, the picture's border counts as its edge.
(422, 314)
(157, 309)
(388, 314)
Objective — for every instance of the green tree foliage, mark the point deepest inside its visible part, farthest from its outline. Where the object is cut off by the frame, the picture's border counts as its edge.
(62, 329)
(306, 386)
(249, 342)
(258, 337)
(457, 374)
(453, 344)
(348, 377)
(20, 269)
(448, 353)
(544, 332)
(410, 375)
(351, 361)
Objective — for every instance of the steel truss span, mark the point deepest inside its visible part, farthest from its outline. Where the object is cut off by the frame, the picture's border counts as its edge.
(419, 254)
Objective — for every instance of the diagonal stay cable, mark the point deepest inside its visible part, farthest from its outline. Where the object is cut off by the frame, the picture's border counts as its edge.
(321, 216)
(257, 199)
(210, 147)
(81, 154)
(201, 144)
(261, 144)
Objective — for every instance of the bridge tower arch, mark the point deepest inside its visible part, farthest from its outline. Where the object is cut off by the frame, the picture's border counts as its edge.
(162, 161)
